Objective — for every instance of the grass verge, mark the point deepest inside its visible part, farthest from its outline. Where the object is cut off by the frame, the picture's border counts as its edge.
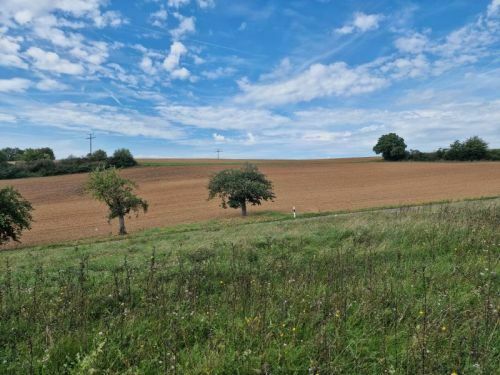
(411, 290)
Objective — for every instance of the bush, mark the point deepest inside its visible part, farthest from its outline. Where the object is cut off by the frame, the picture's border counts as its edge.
(122, 158)
(13, 154)
(493, 154)
(3, 157)
(99, 155)
(33, 154)
(391, 146)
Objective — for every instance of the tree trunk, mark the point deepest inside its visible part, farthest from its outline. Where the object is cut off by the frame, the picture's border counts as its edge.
(244, 209)
(121, 220)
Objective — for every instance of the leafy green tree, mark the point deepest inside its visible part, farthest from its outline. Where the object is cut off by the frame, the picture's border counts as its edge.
(107, 186)
(33, 154)
(13, 154)
(15, 214)
(237, 187)
(3, 157)
(123, 158)
(475, 149)
(391, 146)
(98, 155)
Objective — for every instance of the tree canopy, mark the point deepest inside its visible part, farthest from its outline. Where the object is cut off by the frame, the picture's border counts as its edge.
(15, 214)
(237, 187)
(391, 146)
(107, 186)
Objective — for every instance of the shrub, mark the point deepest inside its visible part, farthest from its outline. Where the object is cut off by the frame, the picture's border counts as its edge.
(15, 214)
(99, 155)
(3, 157)
(33, 154)
(122, 158)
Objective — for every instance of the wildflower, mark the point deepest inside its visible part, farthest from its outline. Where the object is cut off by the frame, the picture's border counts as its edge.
(443, 328)
(294, 329)
(454, 373)
(421, 313)
(337, 314)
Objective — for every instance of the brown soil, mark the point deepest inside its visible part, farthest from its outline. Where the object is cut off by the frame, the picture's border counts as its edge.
(178, 194)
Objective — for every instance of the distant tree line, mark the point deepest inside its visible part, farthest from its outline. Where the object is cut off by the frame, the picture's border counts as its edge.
(18, 163)
(393, 148)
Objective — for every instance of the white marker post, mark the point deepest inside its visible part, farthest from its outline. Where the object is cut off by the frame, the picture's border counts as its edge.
(294, 212)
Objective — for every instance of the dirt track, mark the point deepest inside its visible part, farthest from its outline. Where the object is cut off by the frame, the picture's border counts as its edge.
(177, 194)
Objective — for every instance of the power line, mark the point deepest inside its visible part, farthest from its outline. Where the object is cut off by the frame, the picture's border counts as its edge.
(90, 138)
(218, 151)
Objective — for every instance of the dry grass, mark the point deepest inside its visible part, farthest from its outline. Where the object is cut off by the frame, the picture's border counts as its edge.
(176, 190)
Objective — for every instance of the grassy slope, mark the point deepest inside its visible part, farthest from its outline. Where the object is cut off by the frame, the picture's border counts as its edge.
(411, 291)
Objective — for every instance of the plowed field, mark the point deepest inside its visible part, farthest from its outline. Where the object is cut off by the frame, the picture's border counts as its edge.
(177, 192)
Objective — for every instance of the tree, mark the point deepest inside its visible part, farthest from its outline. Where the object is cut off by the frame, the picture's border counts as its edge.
(33, 154)
(123, 158)
(107, 186)
(391, 146)
(236, 187)
(15, 215)
(475, 148)
(3, 157)
(13, 154)
(98, 155)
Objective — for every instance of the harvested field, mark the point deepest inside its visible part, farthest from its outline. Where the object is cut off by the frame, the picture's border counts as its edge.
(176, 190)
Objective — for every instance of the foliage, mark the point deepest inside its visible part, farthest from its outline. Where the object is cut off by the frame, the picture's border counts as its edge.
(15, 214)
(473, 148)
(122, 158)
(107, 186)
(34, 154)
(3, 157)
(237, 187)
(13, 154)
(406, 292)
(391, 146)
(98, 155)
(70, 165)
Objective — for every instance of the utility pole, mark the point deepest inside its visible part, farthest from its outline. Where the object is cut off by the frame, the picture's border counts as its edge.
(218, 151)
(90, 138)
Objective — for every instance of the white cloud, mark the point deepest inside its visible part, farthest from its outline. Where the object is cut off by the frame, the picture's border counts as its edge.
(218, 137)
(147, 65)
(243, 26)
(10, 52)
(222, 118)
(415, 43)
(493, 7)
(159, 17)
(317, 81)
(181, 73)
(14, 85)
(177, 3)
(186, 26)
(206, 3)
(7, 118)
(85, 116)
(51, 61)
(172, 61)
(220, 72)
(407, 67)
(361, 23)
(48, 84)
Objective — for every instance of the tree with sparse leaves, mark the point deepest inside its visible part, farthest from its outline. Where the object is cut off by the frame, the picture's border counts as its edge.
(237, 187)
(15, 215)
(107, 186)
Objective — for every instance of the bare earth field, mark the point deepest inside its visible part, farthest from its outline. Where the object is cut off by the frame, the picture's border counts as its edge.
(176, 190)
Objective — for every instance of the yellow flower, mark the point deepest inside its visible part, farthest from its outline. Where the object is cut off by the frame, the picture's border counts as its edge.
(443, 328)
(454, 373)
(294, 329)
(337, 314)
(420, 313)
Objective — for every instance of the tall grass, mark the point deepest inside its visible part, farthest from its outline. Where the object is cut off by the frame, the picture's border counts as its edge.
(413, 291)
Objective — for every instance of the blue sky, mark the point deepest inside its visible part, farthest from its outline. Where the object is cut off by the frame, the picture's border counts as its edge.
(257, 79)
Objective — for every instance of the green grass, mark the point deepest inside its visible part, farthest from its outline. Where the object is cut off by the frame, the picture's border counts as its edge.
(408, 291)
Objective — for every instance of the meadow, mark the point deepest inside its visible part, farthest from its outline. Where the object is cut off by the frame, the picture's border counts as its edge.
(177, 192)
(402, 291)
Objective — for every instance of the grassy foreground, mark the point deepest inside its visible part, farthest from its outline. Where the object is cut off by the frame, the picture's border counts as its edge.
(404, 292)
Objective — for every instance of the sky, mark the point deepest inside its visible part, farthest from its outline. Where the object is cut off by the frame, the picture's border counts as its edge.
(284, 79)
